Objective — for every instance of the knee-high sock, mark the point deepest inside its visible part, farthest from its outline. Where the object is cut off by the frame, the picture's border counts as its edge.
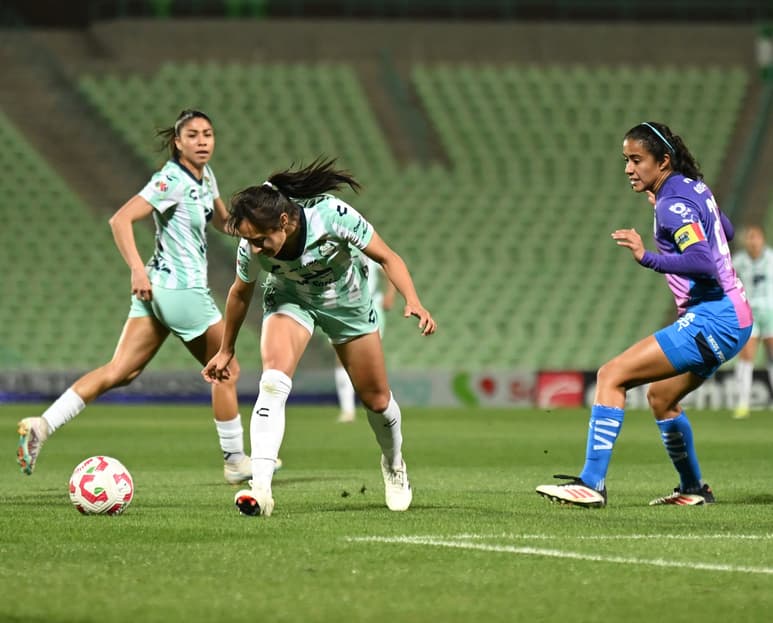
(63, 409)
(677, 438)
(603, 430)
(231, 435)
(770, 375)
(345, 390)
(387, 427)
(267, 425)
(744, 371)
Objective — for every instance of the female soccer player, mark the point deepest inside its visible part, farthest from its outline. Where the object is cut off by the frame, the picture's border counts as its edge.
(304, 240)
(755, 267)
(169, 294)
(714, 320)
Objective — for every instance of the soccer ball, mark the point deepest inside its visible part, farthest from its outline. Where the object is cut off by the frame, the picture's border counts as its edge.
(101, 485)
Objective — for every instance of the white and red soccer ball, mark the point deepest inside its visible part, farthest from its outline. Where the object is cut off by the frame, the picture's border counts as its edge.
(101, 485)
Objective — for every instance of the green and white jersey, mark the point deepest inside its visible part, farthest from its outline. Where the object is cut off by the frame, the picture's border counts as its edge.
(376, 278)
(182, 207)
(325, 275)
(757, 278)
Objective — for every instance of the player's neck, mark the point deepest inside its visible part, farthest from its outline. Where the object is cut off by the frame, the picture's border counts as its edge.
(661, 180)
(197, 172)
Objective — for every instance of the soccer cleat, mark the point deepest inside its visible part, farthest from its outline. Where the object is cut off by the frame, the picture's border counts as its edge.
(397, 489)
(575, 493)
(683, 498)
(346, 416)
(254, 501)
(237, 473)
(33, 431)
(741, 413)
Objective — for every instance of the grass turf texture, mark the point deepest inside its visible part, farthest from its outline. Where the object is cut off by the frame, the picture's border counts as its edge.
(477, 545)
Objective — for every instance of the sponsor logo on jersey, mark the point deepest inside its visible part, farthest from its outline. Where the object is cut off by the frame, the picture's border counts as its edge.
(689, 235)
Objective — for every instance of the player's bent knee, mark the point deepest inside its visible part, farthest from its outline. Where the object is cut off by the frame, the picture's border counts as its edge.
(606, 376)
(376, 401)
(661, 406)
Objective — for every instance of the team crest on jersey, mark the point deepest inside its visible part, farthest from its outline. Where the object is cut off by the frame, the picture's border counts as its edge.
(327, 249)
(161, 185)
(689, 235)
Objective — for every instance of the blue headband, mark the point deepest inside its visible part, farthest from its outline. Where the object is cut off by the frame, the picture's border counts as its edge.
(660, 136)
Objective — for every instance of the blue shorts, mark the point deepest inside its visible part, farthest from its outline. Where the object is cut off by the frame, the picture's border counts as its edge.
(704, 338)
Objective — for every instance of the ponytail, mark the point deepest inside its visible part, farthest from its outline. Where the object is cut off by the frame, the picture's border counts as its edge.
(659, 141)
(317, 178)
(263, 205)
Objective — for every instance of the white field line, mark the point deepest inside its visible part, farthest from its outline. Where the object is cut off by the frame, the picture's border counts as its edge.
(556, 553)
(615, 537)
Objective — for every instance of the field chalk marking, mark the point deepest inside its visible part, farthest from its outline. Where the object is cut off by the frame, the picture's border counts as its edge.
(453, 543)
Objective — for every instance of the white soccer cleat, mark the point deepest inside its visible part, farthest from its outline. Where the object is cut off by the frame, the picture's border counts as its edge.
(254, 501)
(236, 473)
(33, 431)
(397, 489)
(575, 493)
(698, 497)
(346, 416)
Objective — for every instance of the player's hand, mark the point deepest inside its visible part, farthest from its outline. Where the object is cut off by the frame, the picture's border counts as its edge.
(141, 287)
(427, 324)
(651, 197)
(630, 239)
(218, 368)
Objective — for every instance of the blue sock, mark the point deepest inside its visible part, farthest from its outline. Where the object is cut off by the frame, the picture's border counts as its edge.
(603, 429)
(677, 438)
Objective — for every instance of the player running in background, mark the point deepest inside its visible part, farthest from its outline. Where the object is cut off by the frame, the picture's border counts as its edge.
(382, 291)
(714, 318)
(169, 294)
(755, 268)
(304, 240)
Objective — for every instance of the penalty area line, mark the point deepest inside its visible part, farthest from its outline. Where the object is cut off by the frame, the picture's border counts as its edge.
(557, 553)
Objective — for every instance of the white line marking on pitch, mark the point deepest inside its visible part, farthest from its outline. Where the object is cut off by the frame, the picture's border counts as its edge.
(616, 537)
(555, 553)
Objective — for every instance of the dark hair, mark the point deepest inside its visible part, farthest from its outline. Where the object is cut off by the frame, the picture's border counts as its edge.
(168, 135)
(263, 205)
(659, 140)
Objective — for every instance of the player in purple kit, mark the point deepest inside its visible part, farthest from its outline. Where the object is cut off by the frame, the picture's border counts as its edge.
(714, 322)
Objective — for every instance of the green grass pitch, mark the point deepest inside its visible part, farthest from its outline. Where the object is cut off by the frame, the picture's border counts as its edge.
(477, 545)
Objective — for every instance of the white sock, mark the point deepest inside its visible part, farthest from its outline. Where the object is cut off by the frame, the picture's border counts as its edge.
(743, 379)
(387, 426)
(231, 436)
(345, 390)
(267, 425)
(770, 375)
(64, 408)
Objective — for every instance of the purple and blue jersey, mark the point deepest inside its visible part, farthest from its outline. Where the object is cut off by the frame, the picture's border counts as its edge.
(691, 235)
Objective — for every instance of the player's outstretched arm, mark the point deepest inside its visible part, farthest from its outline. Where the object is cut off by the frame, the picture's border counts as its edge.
(397, 272)
(236, 306)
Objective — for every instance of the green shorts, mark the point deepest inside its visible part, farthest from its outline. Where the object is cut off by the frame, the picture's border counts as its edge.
(341, 324)
(186, 313)
(763, 323)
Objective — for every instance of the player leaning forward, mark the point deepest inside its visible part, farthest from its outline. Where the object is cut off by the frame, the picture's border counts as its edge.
(303, 240)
